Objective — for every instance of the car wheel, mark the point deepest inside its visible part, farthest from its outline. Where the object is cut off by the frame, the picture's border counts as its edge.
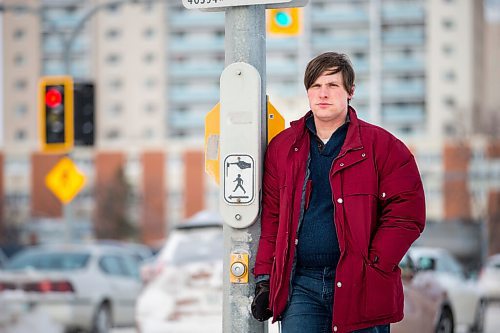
(445, 323)
(102, 320)
(480, 316)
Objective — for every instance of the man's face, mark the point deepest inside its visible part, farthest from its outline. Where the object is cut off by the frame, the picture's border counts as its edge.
(328, 98)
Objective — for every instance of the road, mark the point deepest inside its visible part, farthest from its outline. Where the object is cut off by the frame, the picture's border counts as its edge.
(39, 323)
(492, 324)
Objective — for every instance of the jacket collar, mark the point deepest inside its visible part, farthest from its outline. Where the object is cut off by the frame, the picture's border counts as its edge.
(353, 137)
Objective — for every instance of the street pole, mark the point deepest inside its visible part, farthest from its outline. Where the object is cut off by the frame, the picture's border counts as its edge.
(245, 41)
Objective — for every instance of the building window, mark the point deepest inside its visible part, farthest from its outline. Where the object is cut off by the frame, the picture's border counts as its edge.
(448, 24)
(149, 108)
(448, 49)
(148, 133)
(18, 59)
(21, 110)
(113, 33)
(115, 109)
(149, 32)
(113, 9)
(20, 135)
(116, 84)
(150, 82)
(19, 33)
(113, 134)
(450, 75)
(20, 84)
(148, 7)
(113, 59)
(149, 58)
(450, 102)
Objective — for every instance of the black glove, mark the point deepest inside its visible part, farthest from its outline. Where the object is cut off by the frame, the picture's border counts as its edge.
(260, 303)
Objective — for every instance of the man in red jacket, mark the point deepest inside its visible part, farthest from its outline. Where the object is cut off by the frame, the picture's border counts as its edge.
(342, 203)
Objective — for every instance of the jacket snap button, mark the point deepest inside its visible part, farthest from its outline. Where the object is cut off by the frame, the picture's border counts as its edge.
(363, 155)
(339, 284)
(341, 164)
(296, 149)
(296, 241)
(339, 200)
(335, 328)
(383, 194)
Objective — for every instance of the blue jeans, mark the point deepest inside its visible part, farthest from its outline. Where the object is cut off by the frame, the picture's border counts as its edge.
(311, 305)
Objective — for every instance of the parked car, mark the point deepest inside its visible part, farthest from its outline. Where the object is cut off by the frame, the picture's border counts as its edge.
(186, 293)
(467, 307)
(81, 286)
(140, 251)
(427, 307)
(489, 279)
(3, 259)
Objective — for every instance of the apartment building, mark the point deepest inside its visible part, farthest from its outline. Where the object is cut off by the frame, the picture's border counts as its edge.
(156, 69)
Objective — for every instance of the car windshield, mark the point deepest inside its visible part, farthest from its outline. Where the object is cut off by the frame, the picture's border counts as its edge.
(198, 245)
(48, 261)
(494, 264)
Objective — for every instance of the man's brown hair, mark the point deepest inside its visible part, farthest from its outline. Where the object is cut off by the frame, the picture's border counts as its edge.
(333, 63)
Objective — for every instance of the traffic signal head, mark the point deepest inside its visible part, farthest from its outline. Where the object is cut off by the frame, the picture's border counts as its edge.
(56, 113)
(84, 113)
(284, 21)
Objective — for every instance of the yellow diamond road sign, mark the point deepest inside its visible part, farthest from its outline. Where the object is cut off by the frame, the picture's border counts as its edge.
(65, 180)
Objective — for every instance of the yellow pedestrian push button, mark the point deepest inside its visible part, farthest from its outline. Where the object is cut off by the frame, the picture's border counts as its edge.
(239, 268)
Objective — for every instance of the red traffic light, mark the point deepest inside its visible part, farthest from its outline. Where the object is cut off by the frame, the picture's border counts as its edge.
(53, 98)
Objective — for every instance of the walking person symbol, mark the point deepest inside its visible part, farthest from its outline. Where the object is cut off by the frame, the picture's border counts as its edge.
(239, 181)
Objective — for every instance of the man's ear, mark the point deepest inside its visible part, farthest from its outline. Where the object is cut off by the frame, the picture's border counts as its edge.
(351, 95)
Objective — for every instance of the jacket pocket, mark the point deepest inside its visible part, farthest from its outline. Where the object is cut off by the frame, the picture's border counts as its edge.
(380, 292)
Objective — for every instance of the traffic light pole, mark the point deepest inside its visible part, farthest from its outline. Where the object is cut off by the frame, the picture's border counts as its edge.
(245, 41)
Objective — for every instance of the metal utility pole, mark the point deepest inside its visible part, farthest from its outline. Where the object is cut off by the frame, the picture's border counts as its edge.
(245, 42)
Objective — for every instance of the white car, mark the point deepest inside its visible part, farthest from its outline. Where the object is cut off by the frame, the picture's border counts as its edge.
(489, 279)
(466, 304)
(88, 287)
(186, 295)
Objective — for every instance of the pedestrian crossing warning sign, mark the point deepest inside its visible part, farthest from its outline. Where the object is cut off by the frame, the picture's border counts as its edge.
(65, 180)
(239, 175)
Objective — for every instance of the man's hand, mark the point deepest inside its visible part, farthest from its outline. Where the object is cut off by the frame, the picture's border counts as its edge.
(260, 310)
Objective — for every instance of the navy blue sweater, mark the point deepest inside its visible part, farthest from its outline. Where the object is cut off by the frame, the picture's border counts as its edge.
(318, 245)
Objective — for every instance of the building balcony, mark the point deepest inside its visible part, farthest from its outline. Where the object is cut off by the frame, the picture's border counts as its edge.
(287, 69)
(403, 13)
(330, 17)
(277, 44)
(404, 114)
(403, 65)
(403, 90)
(193, 96)
(184, 45)
(193, 19)
(403, 38)
(177, 71)
(187, 120)
(341, 42)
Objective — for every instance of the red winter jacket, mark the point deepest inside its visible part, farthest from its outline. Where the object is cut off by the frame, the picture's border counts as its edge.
(379, 212)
